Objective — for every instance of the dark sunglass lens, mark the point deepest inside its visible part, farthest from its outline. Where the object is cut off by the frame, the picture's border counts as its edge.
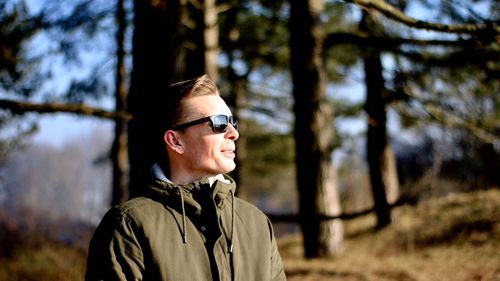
(219, 123)
(234, 122)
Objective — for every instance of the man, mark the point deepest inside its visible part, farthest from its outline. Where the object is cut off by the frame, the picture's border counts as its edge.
(188, 225)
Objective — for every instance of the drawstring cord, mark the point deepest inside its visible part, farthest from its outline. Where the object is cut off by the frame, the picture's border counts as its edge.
(183, 232)
(231, 243)
(184, 238)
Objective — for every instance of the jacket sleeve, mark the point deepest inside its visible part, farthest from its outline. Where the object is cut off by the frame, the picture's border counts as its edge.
(277, 269)
(115, 253)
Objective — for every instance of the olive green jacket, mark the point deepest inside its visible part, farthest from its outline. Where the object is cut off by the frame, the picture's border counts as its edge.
(192, 232)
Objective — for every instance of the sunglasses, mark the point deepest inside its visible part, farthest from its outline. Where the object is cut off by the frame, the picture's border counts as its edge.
(219, 123)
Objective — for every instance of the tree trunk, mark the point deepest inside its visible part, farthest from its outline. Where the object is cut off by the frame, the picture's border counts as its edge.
(119, 153)
(313, 133)
(381, 162)
(237, 98)
(211, 39)
(239, 89)
(193, 51)
(156, 44)
(201, 48)
(165, 51)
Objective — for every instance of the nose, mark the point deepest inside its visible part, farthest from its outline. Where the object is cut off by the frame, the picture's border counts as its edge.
(232, 133)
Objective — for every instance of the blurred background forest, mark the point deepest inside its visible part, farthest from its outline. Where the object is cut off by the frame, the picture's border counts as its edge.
(370, 129)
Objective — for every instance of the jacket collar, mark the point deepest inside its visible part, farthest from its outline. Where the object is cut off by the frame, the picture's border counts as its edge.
(220, 187)
(185, 197)
(157, 172)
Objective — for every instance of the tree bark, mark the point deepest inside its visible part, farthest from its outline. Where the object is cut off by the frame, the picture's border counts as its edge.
(156, 42)
(313, 133)
(237, 98)
(193, 51)
(382, 167)
(119, 153)
(201, 37)
(239, 90)
(211, 39)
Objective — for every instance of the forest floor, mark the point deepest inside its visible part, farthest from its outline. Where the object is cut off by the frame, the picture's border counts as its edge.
(451, 238)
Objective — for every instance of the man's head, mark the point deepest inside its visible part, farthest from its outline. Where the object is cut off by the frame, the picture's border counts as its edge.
(179, 92)
(200, 132)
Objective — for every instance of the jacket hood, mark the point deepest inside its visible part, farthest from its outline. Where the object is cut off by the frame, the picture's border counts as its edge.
(163, 188)
(186, 197)
(171, 192)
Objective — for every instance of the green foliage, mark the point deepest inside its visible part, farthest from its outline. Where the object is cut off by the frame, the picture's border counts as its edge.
(14, 139)
(266, 151)
(464, 11)
(32, 43)
(339, 59)
(16, 28)
(268, 171)
(257, 32)
(38, 49)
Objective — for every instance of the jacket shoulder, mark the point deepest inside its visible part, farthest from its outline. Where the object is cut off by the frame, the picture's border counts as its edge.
(136, 206)
(135, 211)
(254, 220)
(248, 208)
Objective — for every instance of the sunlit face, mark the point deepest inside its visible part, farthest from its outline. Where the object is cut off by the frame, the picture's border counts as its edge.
(205, 153)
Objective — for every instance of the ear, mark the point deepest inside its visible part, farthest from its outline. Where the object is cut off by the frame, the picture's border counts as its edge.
(173, 141)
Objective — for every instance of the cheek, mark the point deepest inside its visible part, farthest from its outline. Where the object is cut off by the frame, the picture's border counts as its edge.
(201, 149)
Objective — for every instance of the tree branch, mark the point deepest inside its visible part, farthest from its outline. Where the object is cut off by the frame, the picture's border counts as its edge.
(452, 120)
(18, 107)
(390, 43)
(393, 13)
(476, 127)
(477, 57)
(473, 52)
(291, 218)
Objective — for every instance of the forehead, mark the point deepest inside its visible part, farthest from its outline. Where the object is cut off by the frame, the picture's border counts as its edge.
(202, 106)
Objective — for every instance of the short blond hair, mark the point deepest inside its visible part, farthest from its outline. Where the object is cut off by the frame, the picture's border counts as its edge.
(180, 91)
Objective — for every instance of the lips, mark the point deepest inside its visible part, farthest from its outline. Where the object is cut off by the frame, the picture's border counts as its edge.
(228, 152)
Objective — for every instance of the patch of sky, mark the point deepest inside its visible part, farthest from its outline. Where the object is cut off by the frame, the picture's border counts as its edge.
(56, 129)
(93, 57)
(259, 9)
(350, 91)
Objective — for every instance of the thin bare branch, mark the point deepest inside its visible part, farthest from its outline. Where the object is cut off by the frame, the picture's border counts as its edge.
(454, 121)
(472, 52)
(393, 13)
(450, 120)
(19, 107)
(391, 43)
(292, 218)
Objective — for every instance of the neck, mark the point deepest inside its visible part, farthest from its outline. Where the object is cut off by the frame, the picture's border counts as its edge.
(180, 177)
(186, 180)
(179, 174)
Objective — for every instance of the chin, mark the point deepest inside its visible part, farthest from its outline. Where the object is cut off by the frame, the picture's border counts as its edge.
(229, 168)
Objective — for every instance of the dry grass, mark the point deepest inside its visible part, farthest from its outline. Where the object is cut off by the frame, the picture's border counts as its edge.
(49, 261)
(453, 238)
